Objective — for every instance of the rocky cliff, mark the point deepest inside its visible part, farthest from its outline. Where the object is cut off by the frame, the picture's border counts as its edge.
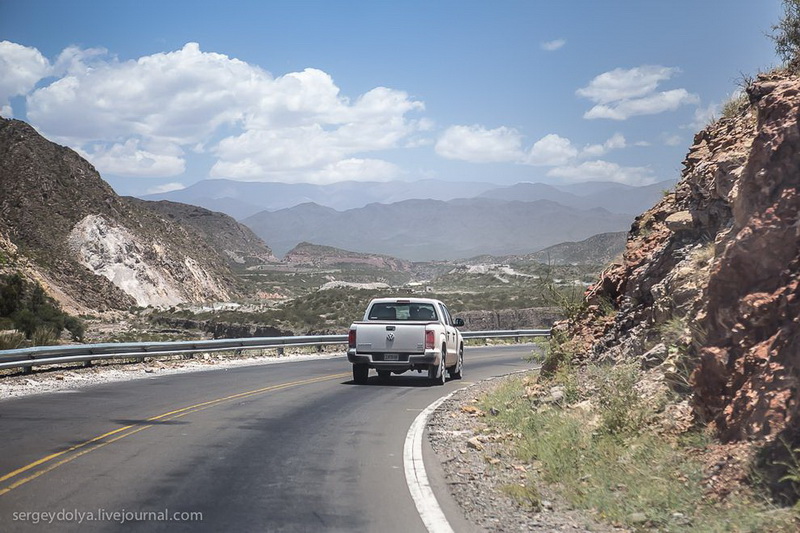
(707, 290)
(90, 248)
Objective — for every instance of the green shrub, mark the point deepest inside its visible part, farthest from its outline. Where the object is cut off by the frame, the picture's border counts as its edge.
(786, 34)
(29, 309)
(621, 407)
(11, 340)
(558, 354)
(44, 336)
(735, 106)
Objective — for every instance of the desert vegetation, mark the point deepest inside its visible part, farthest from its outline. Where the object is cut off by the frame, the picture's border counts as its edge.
(603, 438)
(31, 316)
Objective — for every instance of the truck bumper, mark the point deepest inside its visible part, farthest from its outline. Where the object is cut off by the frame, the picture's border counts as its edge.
(407, 362)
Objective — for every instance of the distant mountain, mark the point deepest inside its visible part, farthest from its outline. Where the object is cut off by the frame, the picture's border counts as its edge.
(315, 255)
(598, 249)
(615, 197)
(63, 226)
(243, 199)
(420, 230)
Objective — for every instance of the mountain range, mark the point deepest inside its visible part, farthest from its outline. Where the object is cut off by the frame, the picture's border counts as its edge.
(244, 199)
(63, 226)
(422, 230)
(427, 219)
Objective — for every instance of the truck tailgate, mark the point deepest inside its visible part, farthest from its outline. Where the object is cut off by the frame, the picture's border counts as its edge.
(382, 337)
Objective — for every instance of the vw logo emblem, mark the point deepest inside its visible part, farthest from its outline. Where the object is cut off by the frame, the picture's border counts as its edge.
(390, 337)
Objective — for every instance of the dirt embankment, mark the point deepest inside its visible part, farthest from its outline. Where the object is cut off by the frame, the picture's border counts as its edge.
(708, 288)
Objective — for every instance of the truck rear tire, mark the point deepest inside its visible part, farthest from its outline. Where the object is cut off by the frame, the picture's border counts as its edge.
(360, 373)
(436, 373)
(457, 370)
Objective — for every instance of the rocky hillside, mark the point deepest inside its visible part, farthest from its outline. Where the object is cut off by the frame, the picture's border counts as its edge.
(708, 289)
(91, 249)
(222, 233)
(599, 249)
(316, 255)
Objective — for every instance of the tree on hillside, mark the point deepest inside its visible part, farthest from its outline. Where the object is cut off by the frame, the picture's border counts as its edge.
(26, 307)
(786, 34)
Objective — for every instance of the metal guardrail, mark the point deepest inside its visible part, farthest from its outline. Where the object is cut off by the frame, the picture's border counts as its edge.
(504, 333)
(49, 355)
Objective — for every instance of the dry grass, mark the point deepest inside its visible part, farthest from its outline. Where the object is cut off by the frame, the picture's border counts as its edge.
(599, 449)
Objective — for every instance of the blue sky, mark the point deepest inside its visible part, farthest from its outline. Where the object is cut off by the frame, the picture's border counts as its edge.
(159, 95)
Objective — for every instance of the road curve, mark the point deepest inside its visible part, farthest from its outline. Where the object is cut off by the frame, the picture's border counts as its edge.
(286, 447)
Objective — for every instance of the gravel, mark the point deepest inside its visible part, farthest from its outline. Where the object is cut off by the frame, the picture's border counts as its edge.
(480, 467)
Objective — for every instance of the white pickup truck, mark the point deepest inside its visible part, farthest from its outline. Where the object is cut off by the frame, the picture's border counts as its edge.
(401, 334)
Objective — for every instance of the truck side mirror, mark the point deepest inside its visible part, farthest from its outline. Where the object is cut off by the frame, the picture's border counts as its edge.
(458, 322)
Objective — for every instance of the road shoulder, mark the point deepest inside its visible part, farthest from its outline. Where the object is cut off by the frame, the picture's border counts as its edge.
(477, 465)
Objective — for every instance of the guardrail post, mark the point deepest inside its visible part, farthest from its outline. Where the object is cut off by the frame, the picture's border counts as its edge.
(27, 369)
(319, 348)
(280, 351)
(87, 364)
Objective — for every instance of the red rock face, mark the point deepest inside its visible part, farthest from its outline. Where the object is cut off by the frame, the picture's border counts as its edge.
(739, 199)
(721, 256)
(749, 372)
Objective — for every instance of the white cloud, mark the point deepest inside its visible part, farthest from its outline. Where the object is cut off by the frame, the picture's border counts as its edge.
(74, 60)
(357, 170)
(649, 105)
(672, 140)
(167, 187)
(181, 97)
(603, 171)
(353, 169)
(615, 142)
(551, 150)
(129, 159)
(621, 84)
(552, 46)
(621, 94)
(259, 127)
(477, 144)
(22, 67)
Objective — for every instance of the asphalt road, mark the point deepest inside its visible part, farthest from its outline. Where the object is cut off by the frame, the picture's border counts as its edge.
(284, 447)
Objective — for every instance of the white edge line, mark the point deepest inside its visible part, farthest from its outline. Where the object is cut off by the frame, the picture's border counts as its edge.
(417, 479)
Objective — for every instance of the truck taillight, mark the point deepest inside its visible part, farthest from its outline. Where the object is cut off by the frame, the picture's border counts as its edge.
(430, 341)
(351, 338)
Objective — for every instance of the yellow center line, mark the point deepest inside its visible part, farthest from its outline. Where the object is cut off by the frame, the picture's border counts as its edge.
(120, 433)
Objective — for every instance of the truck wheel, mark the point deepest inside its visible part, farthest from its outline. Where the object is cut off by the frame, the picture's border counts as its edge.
(457, 370)
(360, 373)
(436, 373)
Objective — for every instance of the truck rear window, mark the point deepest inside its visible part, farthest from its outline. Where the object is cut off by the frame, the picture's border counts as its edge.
(402, 311)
